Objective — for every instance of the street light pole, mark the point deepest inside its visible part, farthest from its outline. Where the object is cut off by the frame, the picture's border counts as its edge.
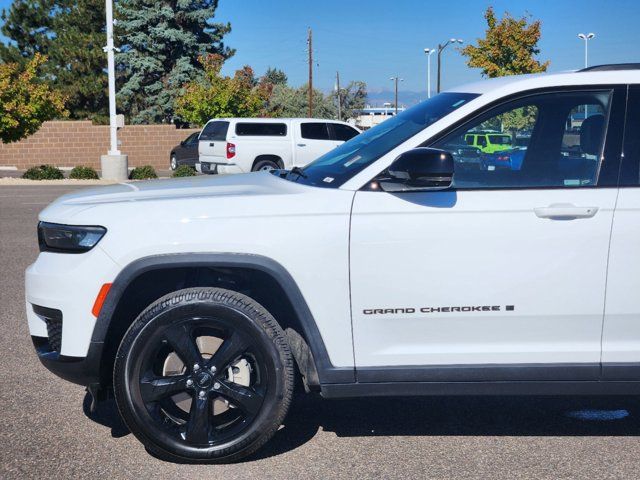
(396, 79)
(441, 47)
(428, 52)
(114, 165)
(113, 128)
(586, 39)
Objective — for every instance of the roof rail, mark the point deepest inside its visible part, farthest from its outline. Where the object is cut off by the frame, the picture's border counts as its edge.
(611, 67)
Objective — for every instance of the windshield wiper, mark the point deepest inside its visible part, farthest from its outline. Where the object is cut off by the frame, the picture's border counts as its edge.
(298, 171)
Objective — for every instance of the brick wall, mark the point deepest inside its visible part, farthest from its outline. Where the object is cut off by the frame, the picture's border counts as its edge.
(71, 143)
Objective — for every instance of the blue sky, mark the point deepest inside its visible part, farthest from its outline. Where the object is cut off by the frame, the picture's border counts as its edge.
(372, 40)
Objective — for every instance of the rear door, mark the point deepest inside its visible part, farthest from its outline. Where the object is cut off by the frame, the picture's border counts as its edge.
(314, 140)
(212, 145)
(621, 334)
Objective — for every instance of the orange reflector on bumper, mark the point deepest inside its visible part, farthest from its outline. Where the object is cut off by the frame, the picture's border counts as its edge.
(102, 295)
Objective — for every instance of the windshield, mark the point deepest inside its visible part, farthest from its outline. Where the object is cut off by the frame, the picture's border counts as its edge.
(340, 164)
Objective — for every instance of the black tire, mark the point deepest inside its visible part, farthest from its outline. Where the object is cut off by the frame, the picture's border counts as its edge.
(146, 395)
(173, 162)
(265, 165)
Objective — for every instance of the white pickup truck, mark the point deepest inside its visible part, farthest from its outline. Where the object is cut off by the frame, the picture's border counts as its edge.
(240, 145)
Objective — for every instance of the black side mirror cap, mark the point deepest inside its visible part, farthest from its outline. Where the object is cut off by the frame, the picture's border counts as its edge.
(419, 169)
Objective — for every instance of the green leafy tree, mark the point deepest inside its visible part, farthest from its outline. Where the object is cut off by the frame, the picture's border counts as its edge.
(71, 34)
(508, 48)
(161, 42)
(275, 76)
(287, 101)
(352, 99)
(217, 96)
(26, 101)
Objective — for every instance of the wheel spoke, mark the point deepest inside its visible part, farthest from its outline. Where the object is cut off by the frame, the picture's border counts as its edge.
(154, 389)
(179, 337)
(228, 352)
(242, 397)
(198, 424)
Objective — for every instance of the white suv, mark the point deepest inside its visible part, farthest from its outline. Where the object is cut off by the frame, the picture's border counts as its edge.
(379, 269)
(240, 145)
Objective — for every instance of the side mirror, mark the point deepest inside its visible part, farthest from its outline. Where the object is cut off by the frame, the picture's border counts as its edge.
(420, 169)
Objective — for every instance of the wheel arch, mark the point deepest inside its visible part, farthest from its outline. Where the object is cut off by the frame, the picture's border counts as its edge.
(254, 275)
(272, 157)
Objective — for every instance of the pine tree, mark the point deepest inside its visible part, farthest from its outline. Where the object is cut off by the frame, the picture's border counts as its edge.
(28, 25)
(275, 76)
(161, 42)
(71, 34)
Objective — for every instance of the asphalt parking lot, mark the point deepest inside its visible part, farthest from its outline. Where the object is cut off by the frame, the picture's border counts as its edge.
(47, 431)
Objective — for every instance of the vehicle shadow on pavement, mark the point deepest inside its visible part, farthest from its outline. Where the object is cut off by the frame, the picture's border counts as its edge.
(433, 416)
(106, 414)
(451, 416)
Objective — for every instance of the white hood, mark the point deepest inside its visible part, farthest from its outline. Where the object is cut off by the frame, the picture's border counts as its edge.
(258, 183)
(250, 185)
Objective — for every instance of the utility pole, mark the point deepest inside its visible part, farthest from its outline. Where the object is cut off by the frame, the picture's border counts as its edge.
(310, 46)
(113, 165)
(339, 96)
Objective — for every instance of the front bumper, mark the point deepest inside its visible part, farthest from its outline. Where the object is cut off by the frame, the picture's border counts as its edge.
(80, 370)
(60, 291)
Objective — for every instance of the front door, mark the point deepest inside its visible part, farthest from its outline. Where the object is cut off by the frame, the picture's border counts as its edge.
(313, 140)
(506, 268)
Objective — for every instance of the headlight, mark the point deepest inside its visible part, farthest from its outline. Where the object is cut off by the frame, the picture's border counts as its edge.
(53, 237)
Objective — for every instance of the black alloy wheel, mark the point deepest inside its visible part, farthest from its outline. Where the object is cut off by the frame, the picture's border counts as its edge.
(204, 374)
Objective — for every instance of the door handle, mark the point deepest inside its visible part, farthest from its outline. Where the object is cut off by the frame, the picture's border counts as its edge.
(565, 211)
(302, 144)
(211, 144)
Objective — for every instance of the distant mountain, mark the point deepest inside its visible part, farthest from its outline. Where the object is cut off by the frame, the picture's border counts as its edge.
(406, 98)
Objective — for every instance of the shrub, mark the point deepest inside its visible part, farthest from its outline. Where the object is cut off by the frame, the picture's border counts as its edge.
(83, 173)
(142, 173)
(43, 172)
(184, 171)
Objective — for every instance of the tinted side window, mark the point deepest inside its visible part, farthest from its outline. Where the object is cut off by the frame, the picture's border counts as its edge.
(261, 129)
(192, 139)
(630, 175)
(545, 140)
(215, 131)
(314, 130)
(343, 132)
